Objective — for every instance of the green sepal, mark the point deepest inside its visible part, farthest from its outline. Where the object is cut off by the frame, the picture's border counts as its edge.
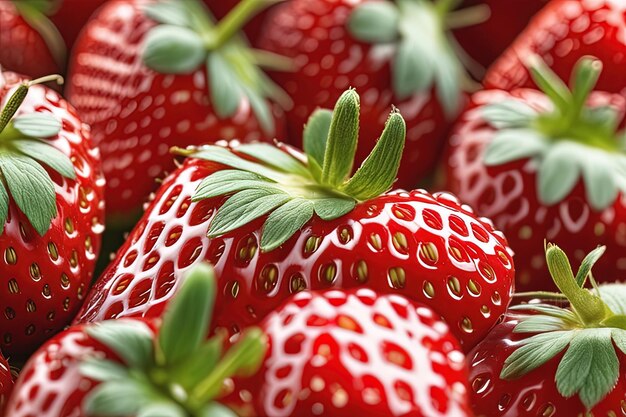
(226, 157)
(186, 321)
(375, 22)
(539, 324)
(118, 398)
(557, 175)
(4, 206)
(48, 155)
(217, 410)
(380, 169)
(512, 145)
(31, 188)
(197, 366)
(509, 114)
(227, 182)
(104, 370)
(274, 157)
(170, 49)
(333, 208)
(131, 340)
(37, 125)
(283, 222)
(226, 93)
(587, 263)
(315, 135)
(614, 295)
(162, 409)
(547, 309)
(168, 13)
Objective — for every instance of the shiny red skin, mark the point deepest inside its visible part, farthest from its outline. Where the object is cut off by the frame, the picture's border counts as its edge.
(533, 394)
(329, 61)
(350, 353)
(486, 41)
(22, 48)
(47, 279)
(72, 16)
(137, 114)
(171, 237)
(507, 194)
(51, 384)
(562, 33)
(6, 383)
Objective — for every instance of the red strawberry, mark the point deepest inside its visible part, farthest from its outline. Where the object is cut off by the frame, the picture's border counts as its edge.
(71, 16)
(6, 383)
(278, 225)
(485, 42)
(562, 33)
(545, 360)
(546, 167)
(135, 367)
(397, 53)
(348, 353)
(149, 75)
(51, 213)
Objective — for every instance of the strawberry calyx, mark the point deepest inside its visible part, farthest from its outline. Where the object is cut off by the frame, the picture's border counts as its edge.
(187, 38)
(24, 154)
(588, 332)
(262, 179)
(426, 55)
(178, 371)
(35, 13)
(569, 142)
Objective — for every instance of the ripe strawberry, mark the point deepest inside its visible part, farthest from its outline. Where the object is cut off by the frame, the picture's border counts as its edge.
(70, 16)
(277, 225)
(135, 367)
(6, 383)
(546, 166)
(562, 33)
(150, 75)
(347, 353)
(485, 42)
(398, 53)
(545, 360)
(51, 213)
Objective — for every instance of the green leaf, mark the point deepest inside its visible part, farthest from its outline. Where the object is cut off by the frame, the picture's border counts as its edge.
(509, 113)
(117, 399)
(380, 169)
(215, 409)
(47, 154)
(172, 49)
(589, 368)
(131, 340)
(103, 370)
(600, 185)
(283, 222)
(4, 206)
(374, 22)
(244, 207)
(534, 352)
(587, 264)
(187, 318)
(316, 134)
(514, 144)
(228, 182)
(168, 12)
(226, 92)
(31, 188)
(559, 172)
(342, 139)
(226, 157)
(539, 324)
(333, 208)
(162, 409)
(412, 70)
(274, 157)
(37, 125)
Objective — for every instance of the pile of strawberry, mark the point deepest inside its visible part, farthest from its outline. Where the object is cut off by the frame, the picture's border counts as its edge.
(261, 163)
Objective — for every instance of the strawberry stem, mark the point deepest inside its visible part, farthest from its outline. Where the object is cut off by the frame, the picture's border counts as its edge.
(468, 16)
(237, 18)
(446, 6)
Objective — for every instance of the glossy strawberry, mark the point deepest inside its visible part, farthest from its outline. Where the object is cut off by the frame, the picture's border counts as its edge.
(347, 353)
(562, 33)
(6, 383)
(278, 225)
(135, 367)
(150, 75)
(545, 360)
(71, 16)
(396, 53)
(545, 167)
(51, 213)
(505, 20)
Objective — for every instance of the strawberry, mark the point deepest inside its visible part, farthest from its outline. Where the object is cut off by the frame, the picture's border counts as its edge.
(397, 53)
(279, 221)
(135, 367)
(347, 353)
(150, 75)
(70, 16)
(51, 212)
(545, 166)
(545, 360)
(562, 33)
(6, 383)
(485, 42)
